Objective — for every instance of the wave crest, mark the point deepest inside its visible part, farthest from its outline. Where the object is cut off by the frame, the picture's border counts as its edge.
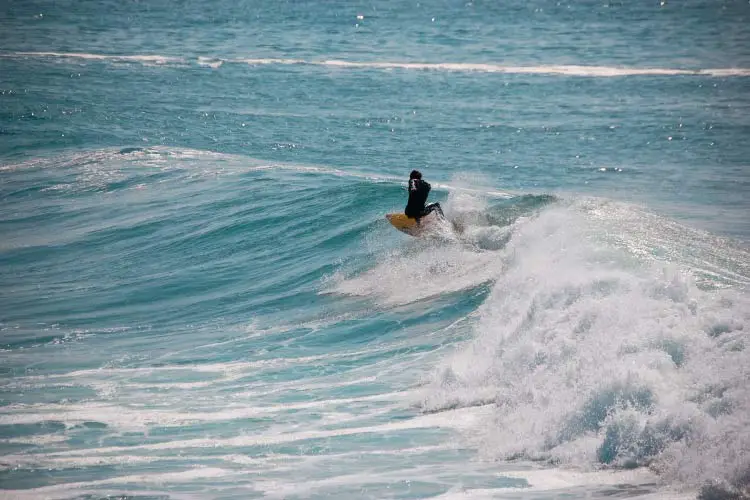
(454, 67)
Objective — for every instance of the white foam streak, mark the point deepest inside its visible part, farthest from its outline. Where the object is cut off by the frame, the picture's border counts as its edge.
(148, 59)
(454, 67)
(38, 440)
(133, 418)
(64, 490)
(573, 484)
(553, 69)
(209, 62)
(564, 70)
(273, 461)
(271, 60)
(457, 419)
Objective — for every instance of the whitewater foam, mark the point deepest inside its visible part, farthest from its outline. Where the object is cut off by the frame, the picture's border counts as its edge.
(128, 419)
(456, 419)
(551, 69)
(65, 490)
(144, 59)
(597, 354)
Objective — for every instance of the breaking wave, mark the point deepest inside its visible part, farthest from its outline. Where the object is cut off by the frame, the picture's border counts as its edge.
(598, 354)
(456, 67)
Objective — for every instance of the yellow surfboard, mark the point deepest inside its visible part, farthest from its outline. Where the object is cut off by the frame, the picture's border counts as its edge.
(410, 225)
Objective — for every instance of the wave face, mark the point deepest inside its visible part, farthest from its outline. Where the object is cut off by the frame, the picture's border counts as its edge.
(200, 296)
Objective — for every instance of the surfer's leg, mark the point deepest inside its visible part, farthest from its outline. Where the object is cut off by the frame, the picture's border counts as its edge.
(434, 207)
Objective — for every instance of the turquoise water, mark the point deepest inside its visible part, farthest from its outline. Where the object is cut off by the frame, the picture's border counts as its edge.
(200, 296)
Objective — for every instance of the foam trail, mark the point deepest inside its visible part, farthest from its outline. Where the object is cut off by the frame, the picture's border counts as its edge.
(141, 58)
(41, 460)
(457, 419)
(64, 490)
(453, 67)
(564, 70)
(128, 418)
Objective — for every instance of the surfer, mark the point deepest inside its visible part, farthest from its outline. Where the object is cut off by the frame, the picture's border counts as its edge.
(418, 191)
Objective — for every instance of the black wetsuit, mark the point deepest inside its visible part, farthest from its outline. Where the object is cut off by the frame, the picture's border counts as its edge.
(418, 192)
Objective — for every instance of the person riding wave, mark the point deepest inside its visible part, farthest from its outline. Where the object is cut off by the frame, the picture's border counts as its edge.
(418, 191)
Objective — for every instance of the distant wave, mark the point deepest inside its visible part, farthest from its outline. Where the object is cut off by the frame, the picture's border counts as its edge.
(146, 58)
(568, 70)
(552, 69)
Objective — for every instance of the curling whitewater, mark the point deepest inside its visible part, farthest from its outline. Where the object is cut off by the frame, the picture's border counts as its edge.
(590, 354)
(174, 325)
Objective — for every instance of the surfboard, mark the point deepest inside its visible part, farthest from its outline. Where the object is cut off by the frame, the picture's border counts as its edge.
(410, 225)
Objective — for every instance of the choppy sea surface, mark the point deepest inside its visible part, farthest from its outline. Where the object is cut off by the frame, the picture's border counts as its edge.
(200, 296)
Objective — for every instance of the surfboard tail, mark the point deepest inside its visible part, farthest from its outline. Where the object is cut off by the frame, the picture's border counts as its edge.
(410, 226)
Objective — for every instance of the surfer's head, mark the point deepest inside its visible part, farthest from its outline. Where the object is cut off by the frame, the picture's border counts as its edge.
(415, 174)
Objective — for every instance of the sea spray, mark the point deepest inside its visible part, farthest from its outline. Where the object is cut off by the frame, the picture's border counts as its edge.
(593, 356)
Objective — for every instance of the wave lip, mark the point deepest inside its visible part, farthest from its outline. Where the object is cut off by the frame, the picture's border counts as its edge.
(454, 67)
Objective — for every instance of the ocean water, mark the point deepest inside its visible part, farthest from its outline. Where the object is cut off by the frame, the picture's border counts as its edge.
(200, 296)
